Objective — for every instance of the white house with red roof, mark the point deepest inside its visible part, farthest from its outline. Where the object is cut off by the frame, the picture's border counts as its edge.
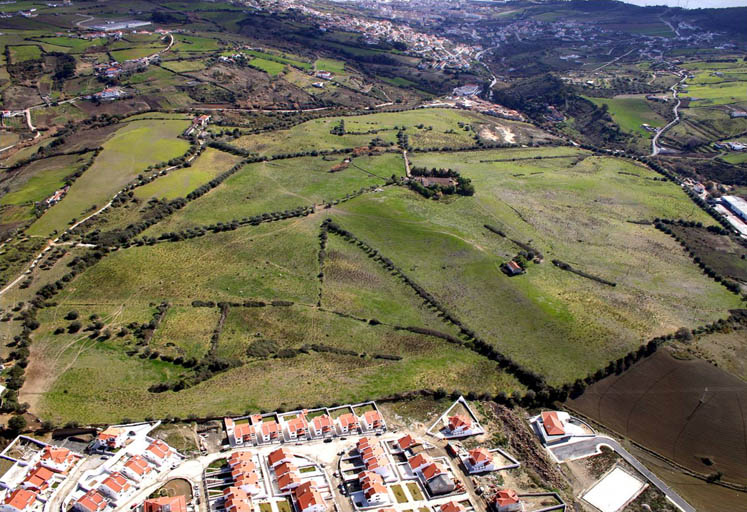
(241, 458)
(279, 456)
(348, 423)
(92, 501)
(374, 491)
(288, 482)
(267, 431)
(480, 460)
(459, 425)
(296, 428)
(507, 500)
(236, 500)
(38, 479)
(240, 433)
(372, 420)
(111, 438)
(136, 468)
(418, 462)
(321, 426)
(158, 452)
(373, 457)
(59, 460)
(115, 486)
(308, 499)
(20, 500)
(556, 427)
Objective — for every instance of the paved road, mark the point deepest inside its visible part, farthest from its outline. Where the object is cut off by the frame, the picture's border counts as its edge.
(592, 445)
(655, 148)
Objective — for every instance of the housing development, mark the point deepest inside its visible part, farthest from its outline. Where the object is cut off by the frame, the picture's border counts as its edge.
(343, 458)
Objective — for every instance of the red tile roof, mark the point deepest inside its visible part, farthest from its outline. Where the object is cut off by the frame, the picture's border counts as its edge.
(405, 442)
(433, 470)
(417, 461)
(243, 431)
(159, 449)
(56, 455)
(348, 420)
(39, 477)
(270, 428)
(553, 425)
(308, 497)
(506, 497)
(449, 506)
(287, 480)
(92, 501)
(138, 465)
(459, 421)
(277, 456)
(373, 418)
(20, 499)
(285, 467)
(238, 458)
(323, 423)
(166, 504)
(116, 482)
(479, 455)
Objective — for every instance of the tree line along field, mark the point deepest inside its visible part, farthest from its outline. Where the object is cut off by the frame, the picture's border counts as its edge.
(567, 203)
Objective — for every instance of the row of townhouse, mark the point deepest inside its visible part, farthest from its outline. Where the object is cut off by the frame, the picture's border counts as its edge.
(47, 470)
(120, 484)
(373, 457)
(300, 426)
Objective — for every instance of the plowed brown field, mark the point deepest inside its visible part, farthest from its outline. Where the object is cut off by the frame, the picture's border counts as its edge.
(689, 411)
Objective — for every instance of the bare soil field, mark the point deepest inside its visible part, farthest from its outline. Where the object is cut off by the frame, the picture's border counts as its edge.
(689, 411)
(721, 253)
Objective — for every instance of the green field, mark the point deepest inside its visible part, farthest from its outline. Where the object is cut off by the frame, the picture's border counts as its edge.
(135, 53)
(630, 113)
(185, 332)
(445, 248)
(23, 53)
(180, 182)
(45, 177)
(333, 66)
(268, 66)
(183, 66)
(428, 128)
(132, 148)
(74, 44)
(281, 185)
(282, 59)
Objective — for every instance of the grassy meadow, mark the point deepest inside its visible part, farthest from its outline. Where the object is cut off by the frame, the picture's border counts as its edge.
(180, 182)
(631, 112)
(282, 185)
(128, 152)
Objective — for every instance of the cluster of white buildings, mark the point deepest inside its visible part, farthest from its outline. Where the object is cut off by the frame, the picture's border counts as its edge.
(37, 469)
(136, 461)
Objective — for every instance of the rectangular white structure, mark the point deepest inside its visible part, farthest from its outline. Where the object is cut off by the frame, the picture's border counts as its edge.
(614, 491)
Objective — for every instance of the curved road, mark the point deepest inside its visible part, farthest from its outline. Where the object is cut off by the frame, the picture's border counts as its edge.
(655, 148)
(592, 445)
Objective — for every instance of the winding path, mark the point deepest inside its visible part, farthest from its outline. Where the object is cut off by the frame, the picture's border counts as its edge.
(655, 147)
